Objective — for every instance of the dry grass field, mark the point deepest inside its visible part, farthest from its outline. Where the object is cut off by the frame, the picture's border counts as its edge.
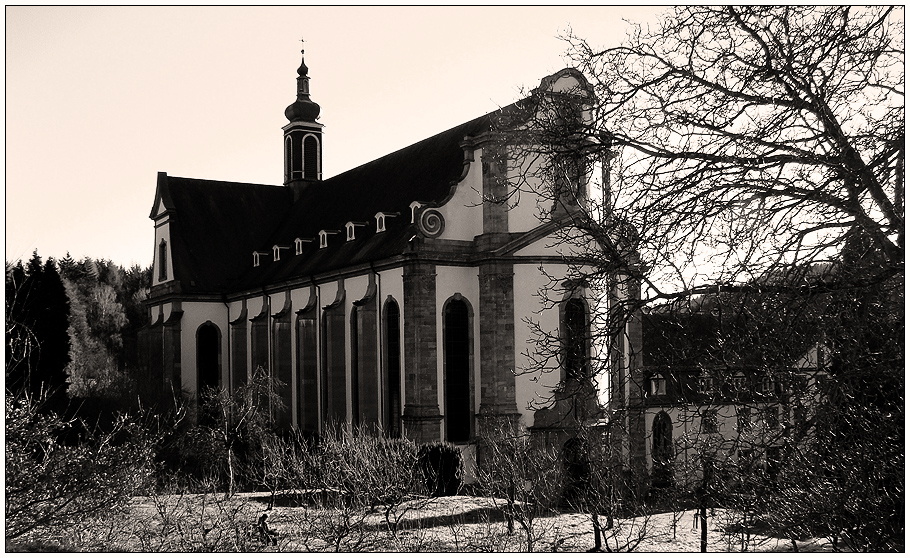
(448, 524)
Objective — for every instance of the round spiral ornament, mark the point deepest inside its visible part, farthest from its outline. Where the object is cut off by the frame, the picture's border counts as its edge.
(431, 223)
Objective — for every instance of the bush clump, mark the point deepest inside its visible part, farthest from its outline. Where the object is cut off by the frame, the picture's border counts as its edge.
(442, 466)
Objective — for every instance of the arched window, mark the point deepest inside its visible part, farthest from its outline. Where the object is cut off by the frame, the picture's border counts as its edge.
(662, 450)
(311, 158)
(392, 409)
(162, 260)
(307, 372)
(457, 371)
(296, 157)
(288, 159)
(575, 339)
(355, 368)
(208, 358)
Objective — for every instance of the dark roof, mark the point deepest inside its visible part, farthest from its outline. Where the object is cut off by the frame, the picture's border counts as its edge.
(744, 335)
(426, 171)
(215, 226)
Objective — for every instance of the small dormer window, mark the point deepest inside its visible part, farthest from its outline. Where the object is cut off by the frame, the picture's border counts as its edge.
(298, 245)
(351, 227)
(739, 382)
(324, 237)
(658, 385)
(255, 259)
(414, 207)
(380, 220)
(705, 384)
(276, 252)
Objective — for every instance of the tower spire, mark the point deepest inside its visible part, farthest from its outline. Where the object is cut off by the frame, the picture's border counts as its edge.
(303, 109)
(302, 137)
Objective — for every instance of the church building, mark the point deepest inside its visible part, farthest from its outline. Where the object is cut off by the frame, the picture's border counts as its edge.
(394, 295)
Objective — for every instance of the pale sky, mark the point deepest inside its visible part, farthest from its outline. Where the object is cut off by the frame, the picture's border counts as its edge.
(100, 99)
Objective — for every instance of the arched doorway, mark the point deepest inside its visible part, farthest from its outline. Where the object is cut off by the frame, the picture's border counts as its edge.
(457, 346)
(208, 358)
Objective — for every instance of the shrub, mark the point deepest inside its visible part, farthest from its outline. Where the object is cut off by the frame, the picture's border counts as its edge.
(52, 486)
(442, 466)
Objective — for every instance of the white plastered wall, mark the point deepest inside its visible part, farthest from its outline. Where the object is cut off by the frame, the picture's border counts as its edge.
(464, 212)
(533, 385)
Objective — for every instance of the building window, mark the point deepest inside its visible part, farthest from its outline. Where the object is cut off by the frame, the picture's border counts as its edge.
(307, 373)
(662, 450)
(772, 417)
(356, 419)
(657, 385)
(288, 159)
(380, 220)
(296, 157)
(744, 419)
(324, 237)
(575, 339)
(457, 371)
(709, 421)
(392, 384)
(705, 384)
(334, 367)
(281, 367)
(571, 171)
(767, 385)
(162, 260)
(311, 170)
(739, 382)
(351, 227)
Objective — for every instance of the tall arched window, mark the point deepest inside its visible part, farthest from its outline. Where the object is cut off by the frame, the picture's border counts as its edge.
(311, 158)
(575, 339)
(288, 159)
(208, 358)
(162, 260)
(457, 346)
(355, 368)
(662, 450)
(392, 384)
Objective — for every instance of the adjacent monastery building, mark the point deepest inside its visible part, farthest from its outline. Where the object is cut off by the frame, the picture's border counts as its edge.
(393, 294)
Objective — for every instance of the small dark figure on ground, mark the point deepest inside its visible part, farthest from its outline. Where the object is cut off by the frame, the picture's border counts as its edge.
(268, 536)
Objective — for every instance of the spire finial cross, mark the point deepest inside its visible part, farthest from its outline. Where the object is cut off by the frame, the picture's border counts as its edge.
(302, 41)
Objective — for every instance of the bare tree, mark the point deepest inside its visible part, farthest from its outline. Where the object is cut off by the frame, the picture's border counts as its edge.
(751, 158)
(241, 419)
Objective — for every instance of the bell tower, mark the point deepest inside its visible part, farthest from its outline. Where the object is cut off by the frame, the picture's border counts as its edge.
(302, 137)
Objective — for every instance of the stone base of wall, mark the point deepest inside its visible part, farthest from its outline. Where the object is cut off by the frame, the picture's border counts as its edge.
(422, 424)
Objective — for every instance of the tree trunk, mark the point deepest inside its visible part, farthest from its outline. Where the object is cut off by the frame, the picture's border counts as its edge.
(703, 512)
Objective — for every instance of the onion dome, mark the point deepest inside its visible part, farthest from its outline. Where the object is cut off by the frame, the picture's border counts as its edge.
(303, 108)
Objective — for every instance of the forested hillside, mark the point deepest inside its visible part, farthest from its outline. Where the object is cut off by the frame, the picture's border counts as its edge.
(71, 330)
